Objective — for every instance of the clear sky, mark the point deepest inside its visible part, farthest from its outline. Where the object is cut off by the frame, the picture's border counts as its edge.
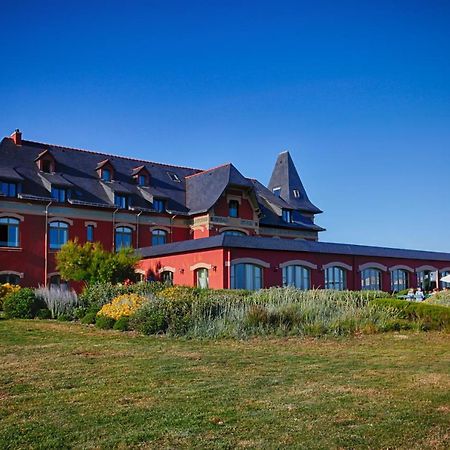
(359, 92)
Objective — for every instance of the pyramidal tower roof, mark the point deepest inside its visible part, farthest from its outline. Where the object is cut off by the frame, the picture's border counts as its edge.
(286, 178)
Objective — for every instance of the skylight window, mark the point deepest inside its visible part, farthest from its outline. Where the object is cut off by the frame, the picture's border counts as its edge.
(296, 193)
(174, 177)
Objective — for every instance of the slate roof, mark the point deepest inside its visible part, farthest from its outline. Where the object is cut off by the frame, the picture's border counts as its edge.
(187, 191)
(286, 177)
(288, 245)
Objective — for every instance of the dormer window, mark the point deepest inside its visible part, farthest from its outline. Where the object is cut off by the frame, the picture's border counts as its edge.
(46, 162)
(106, 174)
(142, 180)
(59, 194)
(277, 191)
(174, 177)
(8, 189)
(46, 166)
(296, 193)
(159, 205)
(105, 170)
(287, 215)
(233, 208)
(121, 201)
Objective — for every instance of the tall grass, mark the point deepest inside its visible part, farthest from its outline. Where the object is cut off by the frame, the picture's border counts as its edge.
(278, 311)
(60, 302)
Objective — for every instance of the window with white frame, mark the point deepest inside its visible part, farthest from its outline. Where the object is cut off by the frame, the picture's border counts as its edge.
(167, 277)
(399, 280)
(58, 234)
(444, 285)
(159, 237)
(123, 237)
(202, 278)
(335, 278)
(371, 279)
(8, 189)
(297, 276)
(121, 201)
(246, 276)
(9, 232)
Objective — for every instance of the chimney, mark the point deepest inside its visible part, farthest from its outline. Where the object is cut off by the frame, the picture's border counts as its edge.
(17, 137)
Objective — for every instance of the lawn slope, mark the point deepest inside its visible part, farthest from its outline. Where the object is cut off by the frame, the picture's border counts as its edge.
(64, 385)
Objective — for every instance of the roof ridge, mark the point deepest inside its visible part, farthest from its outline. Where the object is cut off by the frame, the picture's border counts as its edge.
(209, 170)
(24, 141)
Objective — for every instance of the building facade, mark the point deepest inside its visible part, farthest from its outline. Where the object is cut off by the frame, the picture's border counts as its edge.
(211, 227)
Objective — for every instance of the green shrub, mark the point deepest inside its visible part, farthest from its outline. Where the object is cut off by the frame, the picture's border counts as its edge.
(89, 318)
(433, 317)
(44, 314)
(150, 318)
(21, 304)
(65, 317)
(104, 323)
(122, 324)
(79, 312)
(441, 298)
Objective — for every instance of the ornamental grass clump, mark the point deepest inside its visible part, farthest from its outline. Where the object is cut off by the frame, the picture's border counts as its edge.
(122, 306)
(61, 302)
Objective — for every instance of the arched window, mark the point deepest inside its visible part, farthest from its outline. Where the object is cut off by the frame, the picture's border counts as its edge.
(297, 276)
(233, 233)
(443, 274)
(426, 279)
(56, 282)
(335, 278)
(159, 237)
(167, 277)
(58, 234)
(371, 279)
(233, 208)
(9, 232)
(202, 278)
(399, 280)
(123, 238)
(246, 276)
(10, 278)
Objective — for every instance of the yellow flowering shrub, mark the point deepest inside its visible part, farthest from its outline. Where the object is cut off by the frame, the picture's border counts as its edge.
(6, 289)
(179, 293)
(122, 306)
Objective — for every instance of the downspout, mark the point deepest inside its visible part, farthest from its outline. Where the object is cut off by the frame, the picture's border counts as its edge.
(113, 229)
(137, 228)
(228, 264)
(46, 245)
(171, 227)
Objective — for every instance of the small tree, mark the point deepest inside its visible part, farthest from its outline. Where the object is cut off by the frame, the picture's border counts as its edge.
(90, 263)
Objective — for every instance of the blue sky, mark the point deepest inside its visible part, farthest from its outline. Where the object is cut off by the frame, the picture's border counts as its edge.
(359, 92)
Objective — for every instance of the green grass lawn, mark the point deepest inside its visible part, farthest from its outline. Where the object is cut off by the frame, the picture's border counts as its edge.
(64, 385)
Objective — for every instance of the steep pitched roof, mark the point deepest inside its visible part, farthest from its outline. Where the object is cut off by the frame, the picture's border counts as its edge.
(286, 177)
(204, 188)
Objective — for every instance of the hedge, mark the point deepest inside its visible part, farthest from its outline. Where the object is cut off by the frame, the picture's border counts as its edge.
(433, 317)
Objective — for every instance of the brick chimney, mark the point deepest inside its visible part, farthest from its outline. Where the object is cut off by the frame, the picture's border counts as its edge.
(17, 137)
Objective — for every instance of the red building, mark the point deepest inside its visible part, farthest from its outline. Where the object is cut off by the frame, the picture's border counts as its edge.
(211, 227)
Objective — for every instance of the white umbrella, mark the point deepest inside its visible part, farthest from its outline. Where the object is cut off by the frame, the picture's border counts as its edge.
(446, 279)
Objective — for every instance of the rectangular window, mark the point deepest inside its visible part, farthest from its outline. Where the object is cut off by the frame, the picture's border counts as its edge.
(142, 180)
(277, 191)
(287, 215)
(121, 201)
(296, 193)
(8, 189)
(59, 194)
(106, 175)
(233, 208)
(90, 233)
(9, 232)
(159, 205)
